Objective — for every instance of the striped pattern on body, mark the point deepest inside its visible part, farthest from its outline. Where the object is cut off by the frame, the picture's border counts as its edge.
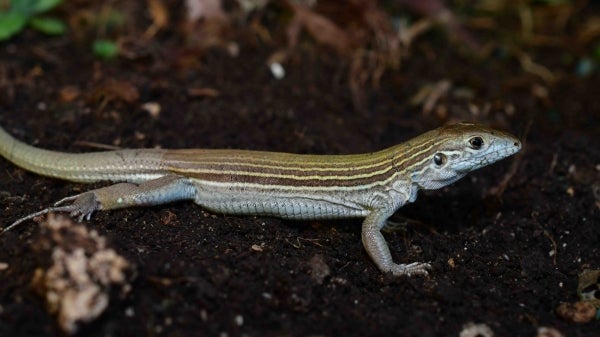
(227, 166)
(291, 186)
(308, 172)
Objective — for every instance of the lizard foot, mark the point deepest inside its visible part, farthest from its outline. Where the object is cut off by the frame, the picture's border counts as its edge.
(81, 206)
(410, 269)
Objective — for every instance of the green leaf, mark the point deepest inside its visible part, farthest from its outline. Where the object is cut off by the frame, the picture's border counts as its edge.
(50, 26)
(105, 49)
(10, 24)
(24, 7)
(41, 6)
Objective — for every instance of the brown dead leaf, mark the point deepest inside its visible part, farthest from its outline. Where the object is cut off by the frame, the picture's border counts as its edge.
(160, 17)
(168, 218)
(69, 93)
(115, 90)
(213, 32)
(319, 27)
(159, 13)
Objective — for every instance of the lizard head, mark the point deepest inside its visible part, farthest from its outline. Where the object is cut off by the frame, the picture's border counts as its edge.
(452, 151)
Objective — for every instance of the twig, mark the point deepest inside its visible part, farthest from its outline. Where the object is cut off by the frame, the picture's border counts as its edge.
(554, 246)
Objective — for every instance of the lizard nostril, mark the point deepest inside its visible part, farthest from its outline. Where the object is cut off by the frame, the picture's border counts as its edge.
(517, 144)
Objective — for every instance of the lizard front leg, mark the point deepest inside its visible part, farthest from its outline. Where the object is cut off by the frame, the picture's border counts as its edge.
(158, 191)
(383, 206)
(378, 250)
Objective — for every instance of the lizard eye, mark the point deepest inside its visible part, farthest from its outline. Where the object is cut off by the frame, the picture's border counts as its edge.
(439, 159)
(476, 143)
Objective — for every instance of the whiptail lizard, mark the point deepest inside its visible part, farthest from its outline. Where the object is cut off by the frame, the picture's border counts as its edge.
(290, 186)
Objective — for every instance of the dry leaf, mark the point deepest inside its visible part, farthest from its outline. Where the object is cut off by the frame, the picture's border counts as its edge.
(69, 93)
(113, 89)
(160, 17)
(320, 28)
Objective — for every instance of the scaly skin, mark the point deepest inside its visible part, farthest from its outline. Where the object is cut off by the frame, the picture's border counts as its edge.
(290, 186)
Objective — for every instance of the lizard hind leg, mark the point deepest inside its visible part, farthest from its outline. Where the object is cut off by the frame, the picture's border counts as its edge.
(157, 191)
(83, 206)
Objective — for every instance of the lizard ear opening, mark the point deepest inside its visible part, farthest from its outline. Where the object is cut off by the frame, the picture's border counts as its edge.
(439, 159)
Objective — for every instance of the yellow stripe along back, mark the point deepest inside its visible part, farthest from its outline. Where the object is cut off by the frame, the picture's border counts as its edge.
(256, 168)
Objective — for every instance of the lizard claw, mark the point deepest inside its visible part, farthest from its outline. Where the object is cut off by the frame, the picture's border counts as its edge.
(82, 206)
(410, 269)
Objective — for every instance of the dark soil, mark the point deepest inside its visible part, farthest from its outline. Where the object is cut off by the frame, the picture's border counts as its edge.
(197, 273)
